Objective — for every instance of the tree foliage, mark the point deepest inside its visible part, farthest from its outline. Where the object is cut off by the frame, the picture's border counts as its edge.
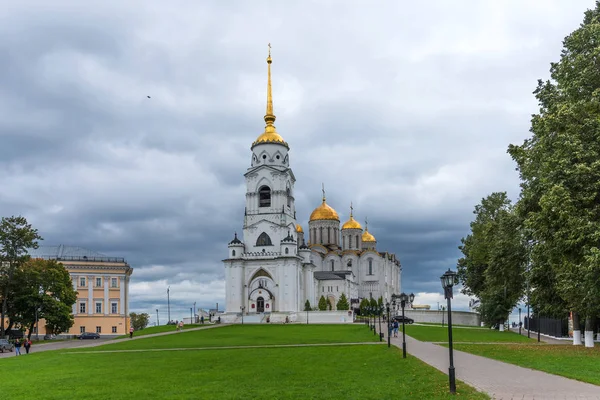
(43, 289)
(16, 236)
(494, 258)
(342, 303)
(364, 303)
(559, 166)
(322, 303)
(139, 321)
(307, 306)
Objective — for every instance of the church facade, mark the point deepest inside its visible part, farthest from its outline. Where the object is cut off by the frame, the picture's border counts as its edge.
(275, 267)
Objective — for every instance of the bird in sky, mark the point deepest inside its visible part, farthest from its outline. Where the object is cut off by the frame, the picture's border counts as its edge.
(148, 96)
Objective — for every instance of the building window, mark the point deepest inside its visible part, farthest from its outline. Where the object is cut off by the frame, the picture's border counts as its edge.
(370, 267)
(332, 265)
(98, 329)
(264, 240)
(344, 241)
(287, 251)
(113, 282)
(328, 235)
(113, 308)
(81, 329)
(337, 288)
(98, 282)
(264, 195)
(323, 289)
(357, 241)
(232, 253)
(289, 197)
(98, 308)
(82, 281)
(82, 308)
(114, 329)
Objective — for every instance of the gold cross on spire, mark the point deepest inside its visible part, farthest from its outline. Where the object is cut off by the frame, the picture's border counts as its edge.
(269, 49)
(323, 192)
(351, 209)
(366, 224)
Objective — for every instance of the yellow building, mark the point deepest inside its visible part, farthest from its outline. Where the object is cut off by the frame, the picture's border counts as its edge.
(102, 285)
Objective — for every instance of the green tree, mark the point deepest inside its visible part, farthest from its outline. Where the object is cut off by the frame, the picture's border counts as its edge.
(559, 166)
(380, 304)
(364, 303)
(139, 321)
(322, 304)
(42, 289)
(307, 306)
(494, 258)
(373, 304)
(342, 303)
(16, 236)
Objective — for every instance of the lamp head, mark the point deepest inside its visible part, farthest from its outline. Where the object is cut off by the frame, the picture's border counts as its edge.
(411, 297)
(448, 279)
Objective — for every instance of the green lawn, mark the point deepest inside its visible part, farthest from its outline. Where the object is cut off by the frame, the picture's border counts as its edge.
(160, 329)
(575, 362)
(336, 372)
(438, 334)
(250, 335)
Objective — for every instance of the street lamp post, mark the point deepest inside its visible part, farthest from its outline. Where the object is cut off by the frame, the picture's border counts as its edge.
(168, 304)
(195, 317)
(157, 320)
(520, 320)
(387, 306)
(380, 310)
(448, 281)
(191, 316)
(403, 299)
(242, 308)
(37, 325)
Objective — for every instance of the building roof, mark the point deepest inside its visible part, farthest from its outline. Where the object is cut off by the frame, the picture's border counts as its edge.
(71, 253)
(328, 276)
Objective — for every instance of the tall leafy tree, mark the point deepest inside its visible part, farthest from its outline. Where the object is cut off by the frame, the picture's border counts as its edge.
(307, 306)
(342, 303)
(559, 166)
(16, 236)
(494, 258)
(42, 289)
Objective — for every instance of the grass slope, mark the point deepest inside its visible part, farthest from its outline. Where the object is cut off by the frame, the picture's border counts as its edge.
(250, 335)
(337, 372)
(439, 334)
(576, 362)
(160, 329)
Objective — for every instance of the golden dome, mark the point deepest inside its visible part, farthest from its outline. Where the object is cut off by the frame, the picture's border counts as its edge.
(299, 228)
(270, 136)
(351, 223)
(367, 237)
(324, 211)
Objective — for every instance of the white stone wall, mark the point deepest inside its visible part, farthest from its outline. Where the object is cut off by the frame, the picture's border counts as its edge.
(434, 316)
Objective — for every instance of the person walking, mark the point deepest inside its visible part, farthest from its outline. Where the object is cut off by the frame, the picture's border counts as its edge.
(202, 320)
(18, 347)
(396, 326)
(27, 345)
(131, 333)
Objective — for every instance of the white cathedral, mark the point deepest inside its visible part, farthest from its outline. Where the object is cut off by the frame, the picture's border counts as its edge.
(274, 269)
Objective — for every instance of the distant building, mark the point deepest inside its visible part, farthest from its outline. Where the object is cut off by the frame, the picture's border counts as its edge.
(421, 307)
(102, 285)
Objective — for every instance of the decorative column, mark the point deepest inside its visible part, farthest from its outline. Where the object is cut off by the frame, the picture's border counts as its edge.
(122, 295)
(74, 279)
(90, 295)
(107, 307)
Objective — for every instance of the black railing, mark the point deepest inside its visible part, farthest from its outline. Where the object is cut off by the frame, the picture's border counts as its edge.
(548, 326)
(83, 258)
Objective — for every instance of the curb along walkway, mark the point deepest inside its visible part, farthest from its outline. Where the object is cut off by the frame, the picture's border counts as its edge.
(498, 379)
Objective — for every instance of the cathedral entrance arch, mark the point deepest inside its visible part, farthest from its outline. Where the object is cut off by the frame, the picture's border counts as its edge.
(260, 304)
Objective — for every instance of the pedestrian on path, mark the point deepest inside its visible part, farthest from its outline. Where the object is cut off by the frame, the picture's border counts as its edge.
(202, 320)
(27, 345)
(181, 325)
(396, 326)
(131, 333)
(18, 347)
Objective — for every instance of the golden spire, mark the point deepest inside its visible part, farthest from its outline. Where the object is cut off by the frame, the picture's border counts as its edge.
(269, 117)
(351, 209)
(323, 185)
(270, 134)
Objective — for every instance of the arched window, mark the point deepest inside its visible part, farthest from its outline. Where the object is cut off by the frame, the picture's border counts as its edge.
(287, 251)
(357, 241)
(289, 197)
(328, 235)
(232, 253)
(344, 239)
(264, 195)
(332, 265)
(264, 240)
(370, 267)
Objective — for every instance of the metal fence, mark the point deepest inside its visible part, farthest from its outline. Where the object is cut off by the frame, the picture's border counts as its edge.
(548, 326)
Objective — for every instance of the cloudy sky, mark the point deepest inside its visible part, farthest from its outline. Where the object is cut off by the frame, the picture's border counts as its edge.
(405, 109)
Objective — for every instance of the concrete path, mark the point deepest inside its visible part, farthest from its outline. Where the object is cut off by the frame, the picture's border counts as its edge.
(498, 379)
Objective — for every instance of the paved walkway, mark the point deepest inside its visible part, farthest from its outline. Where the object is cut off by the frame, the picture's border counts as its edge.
(498, 379)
